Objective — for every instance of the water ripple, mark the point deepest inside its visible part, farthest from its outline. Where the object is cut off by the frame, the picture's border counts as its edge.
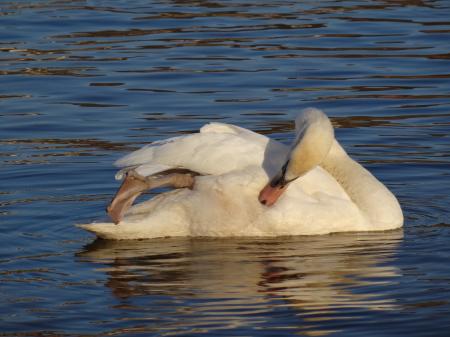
(85, 82)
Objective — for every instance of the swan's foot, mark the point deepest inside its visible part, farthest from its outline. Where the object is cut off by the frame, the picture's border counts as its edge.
(134, 185)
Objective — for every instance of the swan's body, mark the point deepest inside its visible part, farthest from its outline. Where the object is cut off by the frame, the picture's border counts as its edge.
(235, 163)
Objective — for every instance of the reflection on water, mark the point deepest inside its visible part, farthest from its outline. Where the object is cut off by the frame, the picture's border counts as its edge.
(223, 283)
(84, 82)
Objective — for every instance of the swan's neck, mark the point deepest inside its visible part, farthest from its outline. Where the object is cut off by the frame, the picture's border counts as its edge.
(374, 200)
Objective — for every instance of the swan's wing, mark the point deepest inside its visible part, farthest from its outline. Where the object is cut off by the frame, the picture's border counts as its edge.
(218, 148)
(215, 127)
(144, 170)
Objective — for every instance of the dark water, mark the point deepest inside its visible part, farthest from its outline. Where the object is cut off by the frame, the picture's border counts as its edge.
(83, 82)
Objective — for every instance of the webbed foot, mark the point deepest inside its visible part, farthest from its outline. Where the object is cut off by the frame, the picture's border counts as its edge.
(134, 185)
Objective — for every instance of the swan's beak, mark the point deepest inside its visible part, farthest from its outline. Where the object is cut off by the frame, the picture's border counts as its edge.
(273, 190)
(269, 194)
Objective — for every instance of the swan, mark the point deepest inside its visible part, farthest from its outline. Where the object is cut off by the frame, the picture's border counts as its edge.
(231, 181)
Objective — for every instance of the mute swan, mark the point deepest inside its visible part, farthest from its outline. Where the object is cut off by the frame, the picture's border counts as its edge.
(234, 182)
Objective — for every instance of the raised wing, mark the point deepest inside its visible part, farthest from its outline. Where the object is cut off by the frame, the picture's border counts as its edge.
(217, 149)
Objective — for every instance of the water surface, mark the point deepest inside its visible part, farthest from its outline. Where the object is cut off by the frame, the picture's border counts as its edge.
(84, 82)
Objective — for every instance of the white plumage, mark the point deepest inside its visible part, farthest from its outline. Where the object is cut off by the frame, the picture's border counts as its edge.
(235, 163)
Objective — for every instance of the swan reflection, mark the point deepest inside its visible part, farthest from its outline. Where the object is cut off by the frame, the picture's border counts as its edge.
(223, 283)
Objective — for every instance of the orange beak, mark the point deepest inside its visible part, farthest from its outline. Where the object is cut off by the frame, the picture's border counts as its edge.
(270, 194)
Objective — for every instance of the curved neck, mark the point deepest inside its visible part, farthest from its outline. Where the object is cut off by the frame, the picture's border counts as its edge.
(374, 200)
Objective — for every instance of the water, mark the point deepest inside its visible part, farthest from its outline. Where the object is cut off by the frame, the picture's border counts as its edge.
(84, 82)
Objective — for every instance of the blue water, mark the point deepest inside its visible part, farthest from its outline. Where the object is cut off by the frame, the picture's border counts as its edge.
(84, 82)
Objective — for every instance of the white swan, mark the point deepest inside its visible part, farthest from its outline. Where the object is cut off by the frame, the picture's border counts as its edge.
(316, 188)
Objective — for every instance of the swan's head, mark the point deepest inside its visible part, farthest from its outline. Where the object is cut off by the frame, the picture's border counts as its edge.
(314, 137)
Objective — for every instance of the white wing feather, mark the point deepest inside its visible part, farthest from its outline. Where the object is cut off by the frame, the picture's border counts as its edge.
(217, 149)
